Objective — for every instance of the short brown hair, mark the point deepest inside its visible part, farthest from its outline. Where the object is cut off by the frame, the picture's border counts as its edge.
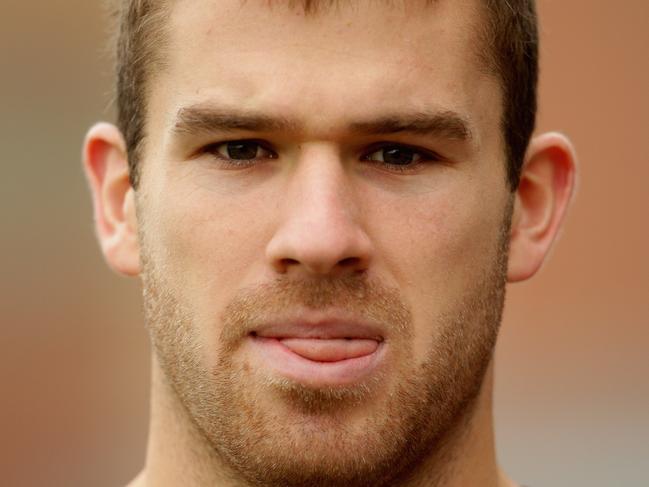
(511, 47)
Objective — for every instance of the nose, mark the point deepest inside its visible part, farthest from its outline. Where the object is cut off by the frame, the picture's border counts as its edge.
(319, 231)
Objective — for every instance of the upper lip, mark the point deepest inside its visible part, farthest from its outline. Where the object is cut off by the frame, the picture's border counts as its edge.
(328, 325)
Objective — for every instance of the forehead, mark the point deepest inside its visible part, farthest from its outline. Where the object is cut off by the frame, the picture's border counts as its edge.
(352, 59)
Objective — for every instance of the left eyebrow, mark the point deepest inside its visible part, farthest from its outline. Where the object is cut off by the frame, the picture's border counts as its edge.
(191, 120)
(445, 124)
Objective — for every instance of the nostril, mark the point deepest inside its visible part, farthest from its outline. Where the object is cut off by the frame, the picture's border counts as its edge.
(288, 262)
(349, 262)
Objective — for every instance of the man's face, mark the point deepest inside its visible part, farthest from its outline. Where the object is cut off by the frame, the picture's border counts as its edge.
(324, 292)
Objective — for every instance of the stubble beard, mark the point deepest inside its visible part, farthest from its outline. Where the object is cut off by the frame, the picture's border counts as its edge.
(308, 438)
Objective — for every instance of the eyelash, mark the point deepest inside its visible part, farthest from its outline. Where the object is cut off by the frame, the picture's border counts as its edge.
(424, 156)
(213, 149)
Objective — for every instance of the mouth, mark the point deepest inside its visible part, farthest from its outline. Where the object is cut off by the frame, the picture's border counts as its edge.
(319, 353)
(329, 349)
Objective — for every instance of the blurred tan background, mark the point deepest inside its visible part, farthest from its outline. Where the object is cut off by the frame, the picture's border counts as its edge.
(572, 395)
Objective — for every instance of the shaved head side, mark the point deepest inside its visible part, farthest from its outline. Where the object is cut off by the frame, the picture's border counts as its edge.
(139, 53)
(512, 41)
(509, 48)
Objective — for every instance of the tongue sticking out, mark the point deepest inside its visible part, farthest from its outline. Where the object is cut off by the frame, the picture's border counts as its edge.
(330, 349)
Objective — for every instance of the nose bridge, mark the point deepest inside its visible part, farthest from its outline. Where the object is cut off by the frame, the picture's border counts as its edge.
(319, 192)
(319, 231)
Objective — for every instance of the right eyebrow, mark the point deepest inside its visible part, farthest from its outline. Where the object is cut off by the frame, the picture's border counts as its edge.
(203, 120)
(445, 124)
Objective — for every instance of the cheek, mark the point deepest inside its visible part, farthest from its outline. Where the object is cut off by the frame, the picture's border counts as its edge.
(207, 246)
(437, 247)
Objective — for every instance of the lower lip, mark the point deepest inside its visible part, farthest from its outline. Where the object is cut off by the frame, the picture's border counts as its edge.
(281, 360)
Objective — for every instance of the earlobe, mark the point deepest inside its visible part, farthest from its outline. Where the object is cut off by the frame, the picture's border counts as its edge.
(105, 163)
(541, 200)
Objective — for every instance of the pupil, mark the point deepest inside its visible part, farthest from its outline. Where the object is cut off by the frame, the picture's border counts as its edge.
(399, 156)
(242, 150)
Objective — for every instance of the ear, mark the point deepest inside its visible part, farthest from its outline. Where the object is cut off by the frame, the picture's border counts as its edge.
(106, 166)
(543, 195)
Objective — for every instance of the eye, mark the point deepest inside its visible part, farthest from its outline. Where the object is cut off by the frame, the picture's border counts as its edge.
(240, 152)
(400, 157)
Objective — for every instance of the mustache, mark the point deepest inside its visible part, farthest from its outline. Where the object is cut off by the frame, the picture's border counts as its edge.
(353, 294)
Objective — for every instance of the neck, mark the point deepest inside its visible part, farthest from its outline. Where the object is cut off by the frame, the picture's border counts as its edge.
(178, 454)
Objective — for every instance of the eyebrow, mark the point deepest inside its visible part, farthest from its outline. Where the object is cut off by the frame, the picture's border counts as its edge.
(193, 120)
(444, 124)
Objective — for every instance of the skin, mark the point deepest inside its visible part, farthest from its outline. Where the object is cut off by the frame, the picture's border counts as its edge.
(322, 207)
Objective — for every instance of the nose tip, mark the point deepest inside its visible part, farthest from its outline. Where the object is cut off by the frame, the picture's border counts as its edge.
(319, 251)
